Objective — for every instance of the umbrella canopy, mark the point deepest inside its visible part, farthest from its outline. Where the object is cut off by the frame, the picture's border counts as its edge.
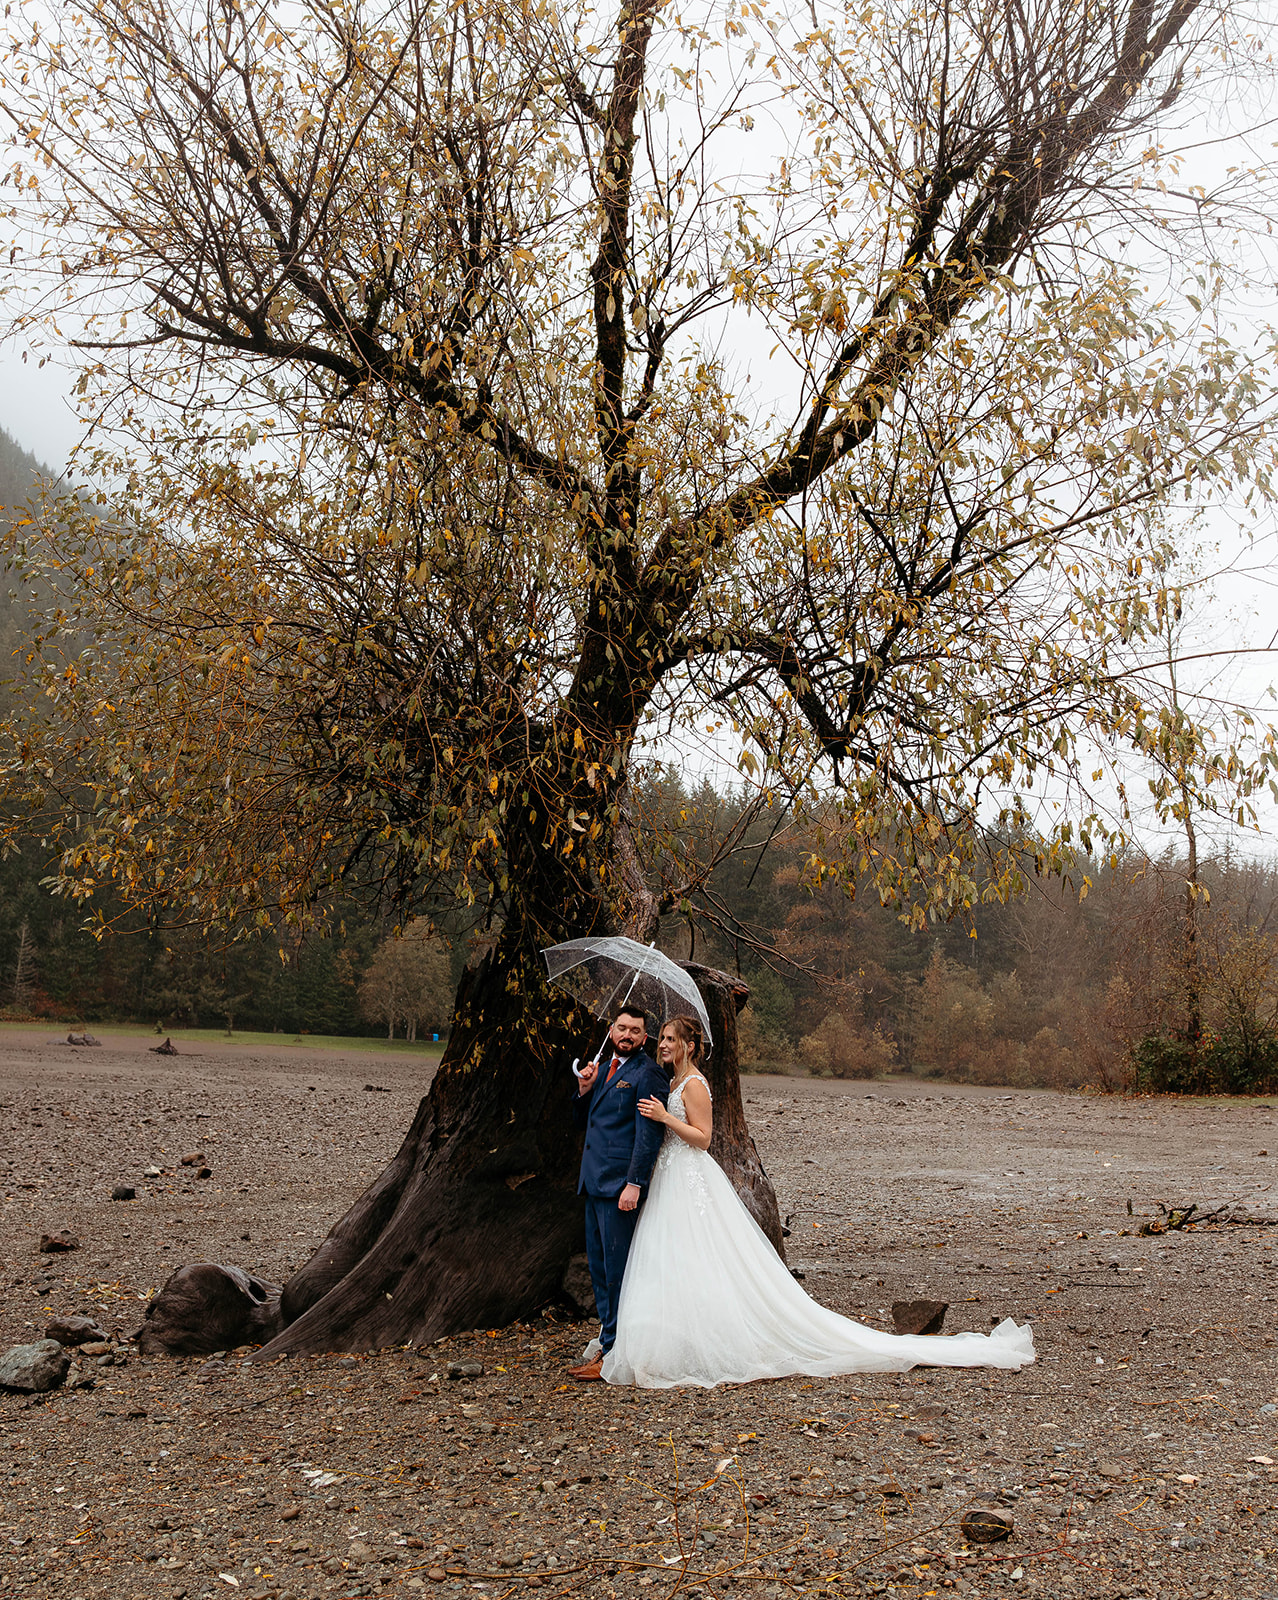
(602, 972)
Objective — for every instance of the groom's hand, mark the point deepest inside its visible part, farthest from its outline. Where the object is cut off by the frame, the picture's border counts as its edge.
(586, 1082)
(629, 1197)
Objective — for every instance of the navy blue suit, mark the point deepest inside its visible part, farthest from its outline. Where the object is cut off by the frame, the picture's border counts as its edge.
(621, 1147)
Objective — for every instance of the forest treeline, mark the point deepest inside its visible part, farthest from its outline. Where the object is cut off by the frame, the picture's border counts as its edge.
(1074, 982)
(1079, 981)
(1065, 986)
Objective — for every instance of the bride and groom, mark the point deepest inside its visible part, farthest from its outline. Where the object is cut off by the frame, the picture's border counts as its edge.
(687, 1285)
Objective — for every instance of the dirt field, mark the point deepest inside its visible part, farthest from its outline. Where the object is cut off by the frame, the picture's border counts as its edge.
(1136, 1457)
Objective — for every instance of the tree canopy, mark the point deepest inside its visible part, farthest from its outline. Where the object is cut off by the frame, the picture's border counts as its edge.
(489, 391)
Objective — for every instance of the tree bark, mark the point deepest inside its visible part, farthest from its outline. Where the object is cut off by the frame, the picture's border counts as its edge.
(476, 1219)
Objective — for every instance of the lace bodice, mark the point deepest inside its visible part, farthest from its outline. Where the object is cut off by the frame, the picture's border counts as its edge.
(676, 1150)
(674, 1101)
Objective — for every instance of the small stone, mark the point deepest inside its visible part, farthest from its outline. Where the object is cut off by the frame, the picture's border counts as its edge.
(510, 1561)
(436, 1574)
(1112, 1470)
(124, 1191)
(194, 1158)
(291, 1514)
(34, 1368)
(205, 1172)
(54, 1243)
(299, 1546)
(154, 1172)
(359, 1551)
(74, 1330)
(919, 1316)
(985, 1525)
(465, 1369)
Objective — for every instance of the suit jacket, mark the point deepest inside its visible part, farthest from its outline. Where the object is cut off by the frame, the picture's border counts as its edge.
(621, 1146)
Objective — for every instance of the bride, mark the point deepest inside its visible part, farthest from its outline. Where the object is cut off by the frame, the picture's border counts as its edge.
(707, 1300)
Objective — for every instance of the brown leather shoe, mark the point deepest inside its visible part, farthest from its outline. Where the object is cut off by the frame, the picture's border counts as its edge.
(591, 1371)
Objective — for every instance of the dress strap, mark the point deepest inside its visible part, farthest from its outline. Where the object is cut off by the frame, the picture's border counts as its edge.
(701, 1077)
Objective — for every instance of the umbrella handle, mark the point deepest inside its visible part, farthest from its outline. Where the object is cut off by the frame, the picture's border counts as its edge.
(595, 1059)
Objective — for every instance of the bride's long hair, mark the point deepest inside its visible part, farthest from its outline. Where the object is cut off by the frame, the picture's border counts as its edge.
(689, 1030)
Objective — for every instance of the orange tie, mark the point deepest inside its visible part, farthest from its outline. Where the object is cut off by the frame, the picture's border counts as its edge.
(612, 1070)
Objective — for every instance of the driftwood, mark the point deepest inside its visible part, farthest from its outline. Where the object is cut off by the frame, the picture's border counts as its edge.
(1177, 1217)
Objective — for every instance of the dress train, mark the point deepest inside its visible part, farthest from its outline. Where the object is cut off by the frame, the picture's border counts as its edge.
(707, 1300)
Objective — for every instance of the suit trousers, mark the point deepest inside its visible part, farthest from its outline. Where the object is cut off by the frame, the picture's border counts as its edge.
(609, 1231)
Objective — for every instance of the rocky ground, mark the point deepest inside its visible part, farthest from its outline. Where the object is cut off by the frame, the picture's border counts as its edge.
(1136, 1457)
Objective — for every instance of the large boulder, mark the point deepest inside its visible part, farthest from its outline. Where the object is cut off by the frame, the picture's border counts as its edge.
(34, 1368)
(205, 1307)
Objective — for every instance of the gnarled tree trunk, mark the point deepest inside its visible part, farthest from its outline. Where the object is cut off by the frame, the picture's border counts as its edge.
(475, 1220)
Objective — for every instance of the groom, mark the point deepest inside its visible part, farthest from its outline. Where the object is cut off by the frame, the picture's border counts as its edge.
(616, 1164)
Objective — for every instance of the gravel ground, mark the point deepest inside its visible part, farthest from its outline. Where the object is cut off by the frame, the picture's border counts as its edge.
(1135, 1456)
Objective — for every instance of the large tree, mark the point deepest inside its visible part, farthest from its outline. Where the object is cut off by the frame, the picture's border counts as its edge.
(486, 390)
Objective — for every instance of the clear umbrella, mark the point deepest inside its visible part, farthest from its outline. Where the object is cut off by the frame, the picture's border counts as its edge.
(604, 971)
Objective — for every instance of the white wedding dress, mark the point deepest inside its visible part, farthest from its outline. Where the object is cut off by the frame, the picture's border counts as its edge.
(707, 1300)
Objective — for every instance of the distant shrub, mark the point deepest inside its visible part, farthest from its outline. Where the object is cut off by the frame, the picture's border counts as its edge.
(1046, 1061)
(1229, 1063)
(761, 1048)
(841, 1050)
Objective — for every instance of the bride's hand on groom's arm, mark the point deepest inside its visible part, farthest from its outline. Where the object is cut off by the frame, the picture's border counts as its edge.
(653, 1108)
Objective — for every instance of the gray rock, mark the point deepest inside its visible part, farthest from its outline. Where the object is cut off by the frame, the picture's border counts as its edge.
(34, 1368)
(74, 1330)
(465, 1369)
(124, 1191)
